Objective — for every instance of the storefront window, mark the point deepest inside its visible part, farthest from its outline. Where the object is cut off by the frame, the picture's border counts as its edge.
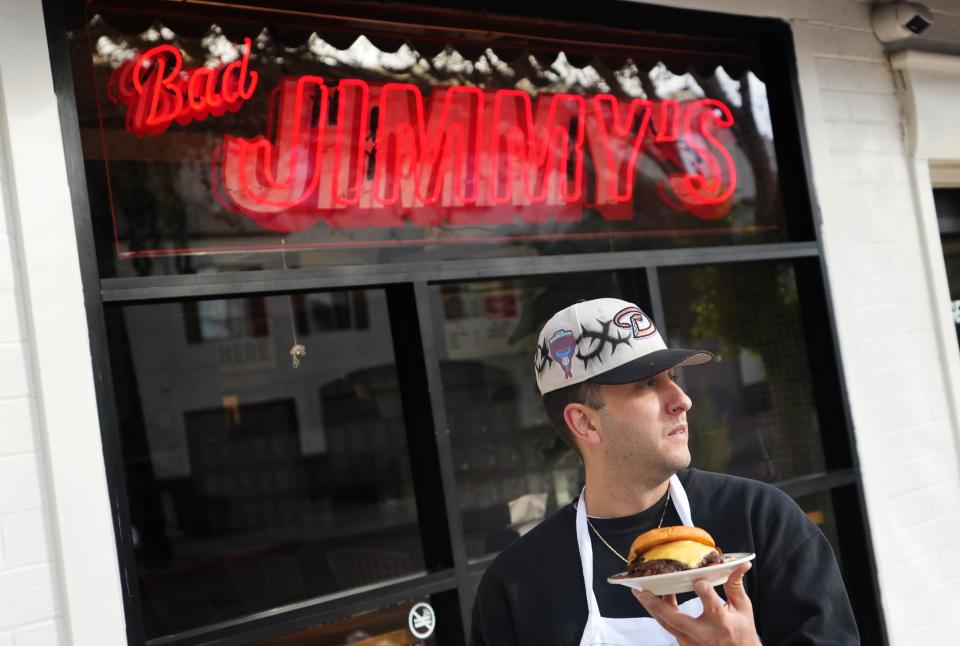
(236, 145)
(512, 468)
(819, 509)
(254, 484)
(753, 412)
(414, 623)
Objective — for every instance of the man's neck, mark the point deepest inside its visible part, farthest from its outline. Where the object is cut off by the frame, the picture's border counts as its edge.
(615, 499)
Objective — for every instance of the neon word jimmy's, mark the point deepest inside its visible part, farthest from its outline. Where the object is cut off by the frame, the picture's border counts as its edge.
(157, 90)
(359, 154)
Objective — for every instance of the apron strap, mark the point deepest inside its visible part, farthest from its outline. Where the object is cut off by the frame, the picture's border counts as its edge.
(680, 501)
(586, 556)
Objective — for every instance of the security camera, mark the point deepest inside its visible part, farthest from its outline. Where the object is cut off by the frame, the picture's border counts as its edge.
(899, 20)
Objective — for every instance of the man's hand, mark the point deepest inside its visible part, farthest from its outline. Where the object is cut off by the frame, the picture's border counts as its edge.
(719, 625)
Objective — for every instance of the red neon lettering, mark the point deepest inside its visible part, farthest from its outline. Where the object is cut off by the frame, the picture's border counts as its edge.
(265, 180)
(157, 90)
(532, 153)
(351, 144)
(620, 145)
(707, 192)
(466, 155)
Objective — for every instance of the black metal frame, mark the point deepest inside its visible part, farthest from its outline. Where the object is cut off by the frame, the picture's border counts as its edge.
(408, 289)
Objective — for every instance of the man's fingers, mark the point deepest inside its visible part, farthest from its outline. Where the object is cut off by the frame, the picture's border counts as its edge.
(736, 593)
(712, 602)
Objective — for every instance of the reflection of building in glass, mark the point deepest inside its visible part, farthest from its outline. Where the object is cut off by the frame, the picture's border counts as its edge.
(260, 484)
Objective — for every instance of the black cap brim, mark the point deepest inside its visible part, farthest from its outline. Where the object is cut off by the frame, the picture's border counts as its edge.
(652, 364)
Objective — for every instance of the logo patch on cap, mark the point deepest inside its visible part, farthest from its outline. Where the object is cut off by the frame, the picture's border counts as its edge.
(562, 346)
(633, 318)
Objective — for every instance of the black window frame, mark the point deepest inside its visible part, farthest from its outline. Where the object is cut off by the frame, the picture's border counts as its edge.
(409, 294)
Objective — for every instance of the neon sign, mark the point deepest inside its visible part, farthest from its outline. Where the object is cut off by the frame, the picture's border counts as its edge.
(158, 90)
(354, 154)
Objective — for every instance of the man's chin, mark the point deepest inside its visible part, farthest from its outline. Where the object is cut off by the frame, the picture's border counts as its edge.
(681, 461)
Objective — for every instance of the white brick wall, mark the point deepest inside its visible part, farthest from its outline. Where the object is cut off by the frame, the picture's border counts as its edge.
(886, 319)
(29, 611)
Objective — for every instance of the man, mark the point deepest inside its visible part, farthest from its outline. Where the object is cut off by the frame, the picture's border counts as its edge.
(608, 385)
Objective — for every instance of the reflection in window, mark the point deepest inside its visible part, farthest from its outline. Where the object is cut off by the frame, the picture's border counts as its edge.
(512, 468)
(753, 409)
(330, 311)
(951, 260)
(221, 320)
(947, 202)
(253, 485)
(819, 509)
(385, 627)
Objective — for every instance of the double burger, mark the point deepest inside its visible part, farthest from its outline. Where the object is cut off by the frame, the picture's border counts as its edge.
(672, 549)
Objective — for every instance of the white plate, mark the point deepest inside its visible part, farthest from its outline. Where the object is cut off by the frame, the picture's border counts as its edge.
(677, 582)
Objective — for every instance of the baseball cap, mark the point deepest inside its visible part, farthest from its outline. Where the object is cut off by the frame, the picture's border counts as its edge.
(604, 341)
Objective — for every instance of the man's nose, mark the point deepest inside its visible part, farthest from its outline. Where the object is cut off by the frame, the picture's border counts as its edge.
(679, 402)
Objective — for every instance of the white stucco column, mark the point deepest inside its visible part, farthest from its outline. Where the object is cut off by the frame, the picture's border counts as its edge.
(929, 88)
(57, 364)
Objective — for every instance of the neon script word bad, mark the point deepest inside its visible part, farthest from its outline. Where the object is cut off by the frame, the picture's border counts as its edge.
(158, 90)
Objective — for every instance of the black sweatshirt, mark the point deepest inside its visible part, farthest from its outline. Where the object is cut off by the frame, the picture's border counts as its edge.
(532, 594)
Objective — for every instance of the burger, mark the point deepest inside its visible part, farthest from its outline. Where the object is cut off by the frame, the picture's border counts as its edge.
(672, 549)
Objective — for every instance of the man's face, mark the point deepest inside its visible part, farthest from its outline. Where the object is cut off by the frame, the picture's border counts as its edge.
(644, 426)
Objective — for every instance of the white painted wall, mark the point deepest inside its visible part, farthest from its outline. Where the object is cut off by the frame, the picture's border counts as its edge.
(58, 572)
(29, 605)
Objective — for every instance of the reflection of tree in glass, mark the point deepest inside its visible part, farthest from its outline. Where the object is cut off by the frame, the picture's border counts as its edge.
(755, 307)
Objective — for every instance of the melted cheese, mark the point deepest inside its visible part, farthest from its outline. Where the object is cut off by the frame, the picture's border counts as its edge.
(690, 553)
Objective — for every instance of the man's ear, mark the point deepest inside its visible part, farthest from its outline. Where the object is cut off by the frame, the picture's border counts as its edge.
(583, 423)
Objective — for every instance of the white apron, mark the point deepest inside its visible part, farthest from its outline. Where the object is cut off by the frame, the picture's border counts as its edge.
(631, 631)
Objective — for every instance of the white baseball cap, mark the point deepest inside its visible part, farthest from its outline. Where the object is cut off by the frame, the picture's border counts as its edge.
(604, 341)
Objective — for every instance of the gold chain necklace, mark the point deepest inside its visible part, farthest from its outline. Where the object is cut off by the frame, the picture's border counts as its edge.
(610, 547)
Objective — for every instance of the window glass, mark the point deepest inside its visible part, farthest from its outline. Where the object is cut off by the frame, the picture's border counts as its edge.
(947, 201)
(253, 484)
(951, 259)
(251, 143)
(819, 509)
(512, 468)
(390, 626)
(753, 412)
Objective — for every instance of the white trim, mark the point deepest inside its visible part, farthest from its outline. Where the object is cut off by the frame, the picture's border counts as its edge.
(935, 266)
(911, 59)
(929, 89)
(945, 174)
(56, 330)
